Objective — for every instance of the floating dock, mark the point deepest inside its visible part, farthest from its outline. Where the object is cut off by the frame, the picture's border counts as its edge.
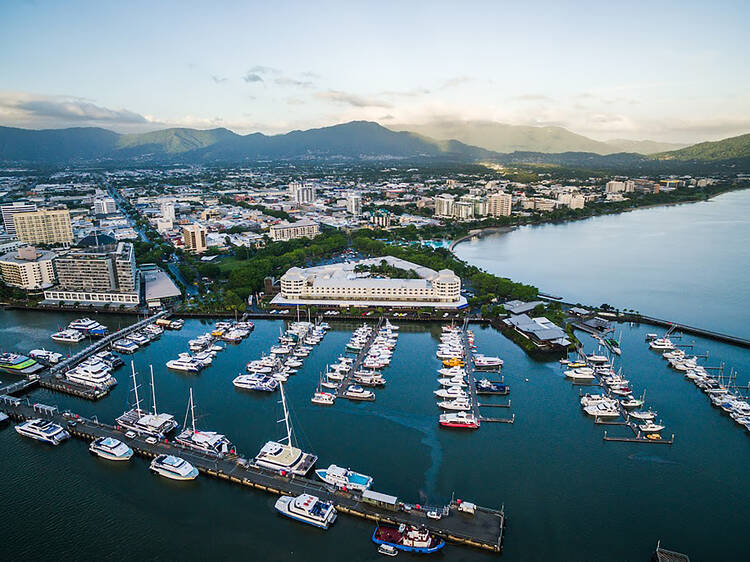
(482, 529)
(357, 365)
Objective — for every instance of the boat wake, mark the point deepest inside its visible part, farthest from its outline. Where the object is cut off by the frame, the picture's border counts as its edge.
(650, 458)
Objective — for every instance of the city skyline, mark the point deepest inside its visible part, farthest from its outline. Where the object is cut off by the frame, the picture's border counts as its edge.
(669, 72)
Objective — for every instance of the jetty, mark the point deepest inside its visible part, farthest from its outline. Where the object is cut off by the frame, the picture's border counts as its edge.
(358, 360)
(480, 527)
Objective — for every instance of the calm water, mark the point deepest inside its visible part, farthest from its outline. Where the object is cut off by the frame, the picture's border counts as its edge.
(687, 263)
(568, 494)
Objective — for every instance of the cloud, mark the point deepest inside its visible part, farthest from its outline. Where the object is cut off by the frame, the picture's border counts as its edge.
(286, 81)
(353, 100)
(252, 77)
(218, 79)
(260, 69)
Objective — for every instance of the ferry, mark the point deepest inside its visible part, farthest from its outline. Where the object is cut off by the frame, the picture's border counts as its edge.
(307, 509)
(44, 356)
(89, 327)
(344, 478)
(111, 449)
(68, 336)
(461, 420)
(173, 467)
(43, 430)
(125, 346)
(407, 538)
(19, 364)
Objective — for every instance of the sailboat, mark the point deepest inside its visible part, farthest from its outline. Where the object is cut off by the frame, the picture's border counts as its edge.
(143, 422)
(283, 456)
(205, 441)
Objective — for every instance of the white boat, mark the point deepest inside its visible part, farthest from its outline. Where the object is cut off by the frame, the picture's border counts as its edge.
(356, 392)
(641, 415)
(48, 357)
(208, 442)
(173, 468)
(344, 478)
(307, 509)
(68, 336)
(456, 381)
(387, 550)
(89, 327)
(282, 456)
(125, 345)
(461, 420)
(111, 449)
(43, 430)
(661, 344)
(650, 427)
(143, 422)
(451, 392)
(631, 403)
(602, 410)
(184, 365)
(323, 398)
(485, 362)
(455, 405)
(256, 381)
(95, 376)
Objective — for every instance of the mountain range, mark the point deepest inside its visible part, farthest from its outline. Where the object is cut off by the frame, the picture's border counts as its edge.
(358, 140)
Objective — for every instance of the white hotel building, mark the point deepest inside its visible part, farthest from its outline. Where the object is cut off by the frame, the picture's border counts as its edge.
(339, 285)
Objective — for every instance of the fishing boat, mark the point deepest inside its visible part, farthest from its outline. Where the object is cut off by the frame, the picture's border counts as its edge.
(173, 468)
(307, 509)
(283, 456)
(110, 449)
(18, 364)
(356, 392)
(68, 336)
(208, 442)
(143, 422)
(344, 478)
(43, 430)
(407, 538)
(460, 420)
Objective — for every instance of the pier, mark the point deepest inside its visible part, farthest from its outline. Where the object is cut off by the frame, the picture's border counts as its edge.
(357, 364)
(484, 529)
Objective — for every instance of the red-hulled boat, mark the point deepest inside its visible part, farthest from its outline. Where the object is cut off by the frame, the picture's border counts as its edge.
(408, 538)
(461, 420)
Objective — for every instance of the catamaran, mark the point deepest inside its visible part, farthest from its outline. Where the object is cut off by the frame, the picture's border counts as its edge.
(205, 441)
(344, 478)
(111, 449)
(173, 468)
(282, 456)
(19, 364)
(43, 430)
(307, 509)
(143, 422)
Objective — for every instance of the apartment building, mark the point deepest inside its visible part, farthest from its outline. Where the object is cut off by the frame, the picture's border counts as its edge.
(291, 230)
(194, 238)
(45, 226)
(28, 268)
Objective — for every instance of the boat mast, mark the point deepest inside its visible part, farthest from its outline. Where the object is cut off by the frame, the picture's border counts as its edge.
(286, 416)
(192, 408)
(153, 388)
(135, 388)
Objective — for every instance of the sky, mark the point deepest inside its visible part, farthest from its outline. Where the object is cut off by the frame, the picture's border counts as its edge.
(660, 70)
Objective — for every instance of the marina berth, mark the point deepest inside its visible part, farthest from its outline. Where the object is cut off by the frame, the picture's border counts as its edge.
(110, 449)
(407, 538)
(344, 478)
(307, 508)
(43, 430)
(68, 336)
(18, 364)
(173, 468)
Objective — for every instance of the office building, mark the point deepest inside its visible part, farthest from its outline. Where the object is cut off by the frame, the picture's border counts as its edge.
(354, 204)
(167, 210)
(9, 210)
(104, 206)
(194, 238)
(28, 268)
(302, 194)
(340, 285)
(49, 227)
(500, 204)
(291, 230)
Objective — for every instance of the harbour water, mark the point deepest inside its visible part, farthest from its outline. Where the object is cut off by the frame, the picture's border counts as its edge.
(568, 494)
(687, 263)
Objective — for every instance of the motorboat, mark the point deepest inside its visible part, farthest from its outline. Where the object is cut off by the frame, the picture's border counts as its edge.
(258, 382)
(602, 410)
(47, 357)
(387, 550)
(455, 381)
(125, 345)
(451, 392)
(184, 365)
(580, 374)
(482, 362)
(139, 339)
(323, 398)
(461, 419)
(356, 392)
(18, 364)
(650, 427)
(173, 468)
(96, 376)
(407, 538)
(344, 478)
(110, 449)
(89, 327)
(642, 415)
(661, 344)
(68, 336)
(110, 359)
(369, 379)
(456, 405)
(307, 509)
(485, 386)
(631, 403)
(43, 430)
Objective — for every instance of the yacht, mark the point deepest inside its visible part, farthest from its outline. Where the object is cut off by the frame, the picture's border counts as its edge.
(18, 364)
(456, 405)
(89, 327)
(486, 386)
(43, 430)
(143, 422)
(344, 478)
(641, 415)
(407, 538)
(68, 336)
(111, 449)
(323, 398)
(451, 392)
(173, 467)
(661, 344)
(139, 339)
(307, 509)
(203, 358)
(114, 361)
(44, 356)
(96, 376)
(602, 409)
(455, 381)
(631, 402)
(461, 419)
(369, 379)
(356, 392)
(176, 324)
(650, 427)
(184, 365)
(484, 362)
(282, 456)
(259, 382)
(125, 345)
(208, 442)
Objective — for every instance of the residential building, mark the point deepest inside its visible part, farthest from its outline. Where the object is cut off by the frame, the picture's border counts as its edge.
(500, 204)
(99, 271)
(463, 210)
(290, 230)
(28, 268)
(44, 226)
(164, 225)
(479, 204)
(572, 200)
(11, 209)
(615, 186)
(194, 238)
(354, 203)
(167, 210)
(444, 205)
(302, 194)
(104, 206)
(340, 285)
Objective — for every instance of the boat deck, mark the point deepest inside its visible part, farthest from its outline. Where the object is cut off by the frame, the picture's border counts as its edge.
(484, 529)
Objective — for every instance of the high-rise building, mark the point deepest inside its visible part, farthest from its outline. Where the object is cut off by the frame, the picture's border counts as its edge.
(44, 227)
(479, 203)
(615, 186)
(28, 268)
(291, 230)
(444, 205)
(194, 237)
(463, 209)
(104, 206)
(302, 194)
(500, 204)
(167, 210)
(9, 210)
(101, 270)
(354, 203)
